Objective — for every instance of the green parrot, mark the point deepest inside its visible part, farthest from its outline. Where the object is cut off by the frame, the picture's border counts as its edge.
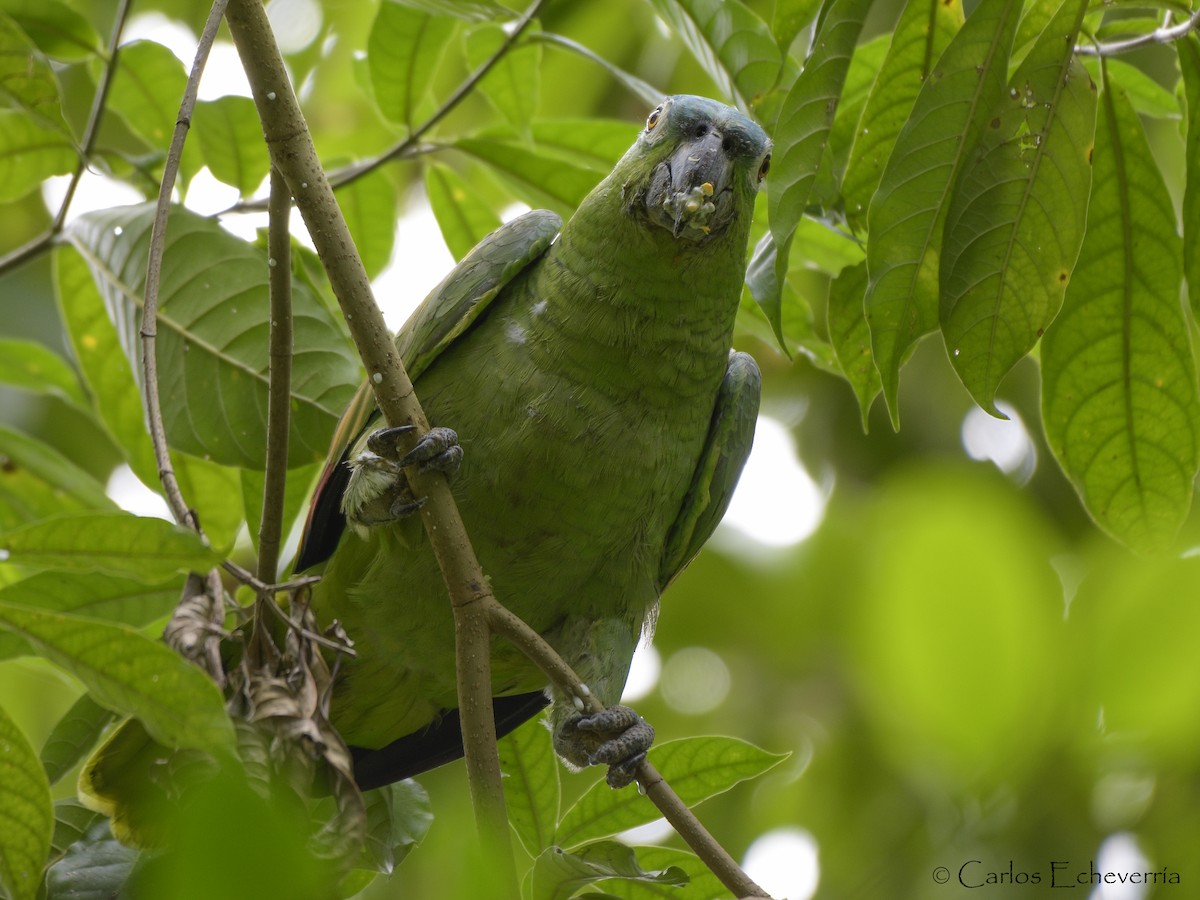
(605, 422)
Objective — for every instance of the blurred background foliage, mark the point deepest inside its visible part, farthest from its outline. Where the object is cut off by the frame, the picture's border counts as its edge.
(961, 665)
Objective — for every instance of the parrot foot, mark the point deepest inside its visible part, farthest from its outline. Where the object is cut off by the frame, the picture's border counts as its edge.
(378, 492)
(437, 450)
(617, 737)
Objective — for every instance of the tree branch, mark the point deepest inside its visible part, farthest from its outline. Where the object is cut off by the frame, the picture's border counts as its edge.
(674, 810)
(86, 144)
(293, 154)
(158, 237)
(1165, 34)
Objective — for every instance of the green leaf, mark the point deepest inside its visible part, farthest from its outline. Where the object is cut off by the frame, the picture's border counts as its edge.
(231, 140)
(26, 79)
(864, 66)
(557, 875)
(702, 884)
(513, 84)
(469, 10)
(1119, 398)
(1147, 96)
(214, 491)
(1016, 219)
(801, 135)
(463, 218)
(790, 17)
(398, 817)
(732, 44)
(58, 30)
(147, 89)
(541, 179)
(115, 543)
(131, 601)
(594, 143)
(37, 481)
(696, 768)
(908, 211)
(106, 369)
(850, 336)
(1189, 63)
(72, 821)
(649, 94)
(922, 34)
(26, 814)
(30, 153)
(369, 205)
(35, 367)
(74, 736)
(128, 672)
(403, 52)
(531, 784)
(212, 328)
(95, 867)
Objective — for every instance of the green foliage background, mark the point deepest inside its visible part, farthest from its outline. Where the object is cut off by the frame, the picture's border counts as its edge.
(963, 664)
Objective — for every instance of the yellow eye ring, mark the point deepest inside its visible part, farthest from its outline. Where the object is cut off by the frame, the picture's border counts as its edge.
(653, 119)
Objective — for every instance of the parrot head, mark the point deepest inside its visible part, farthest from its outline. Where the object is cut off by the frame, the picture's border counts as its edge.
(697, 166)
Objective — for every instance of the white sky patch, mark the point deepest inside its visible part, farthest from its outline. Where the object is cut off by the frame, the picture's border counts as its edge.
(643, 673)
(419, 261)
(1006, 443)
(776, 502)
(296, 23)
(94, 192)
(784, 863)
(127, 491)
(1120, 853)
(651, 833)
(223, 73)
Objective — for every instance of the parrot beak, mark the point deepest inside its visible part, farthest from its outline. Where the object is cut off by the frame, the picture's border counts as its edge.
(689, 192)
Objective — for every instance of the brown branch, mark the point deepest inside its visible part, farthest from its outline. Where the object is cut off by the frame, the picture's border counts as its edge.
(86, 144)
(279, 260)
(158, 241)
(293, 154)
(674, 810)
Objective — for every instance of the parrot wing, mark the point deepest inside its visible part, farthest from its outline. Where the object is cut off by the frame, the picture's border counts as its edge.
(730, 434)
(447, 312)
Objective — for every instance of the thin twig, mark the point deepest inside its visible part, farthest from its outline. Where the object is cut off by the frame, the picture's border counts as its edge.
(293, 154)
(279, 261)
(674, 810)
(158, 241)
(411, 145)
(86, 144)
(1162, 35)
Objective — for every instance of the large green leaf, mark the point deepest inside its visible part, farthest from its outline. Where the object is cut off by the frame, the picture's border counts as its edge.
(732, 44)
(26, 79)
(74, 735)
(212, 336)
(403, 50)
(463, 218)
(130, 673)
(95, 866)
(110, 542)
(231, 139)
(26, 814)
(147, 89)
(921, 35)
(908, 211)
(513, 84)
(702, 884)
(1189, 64)
(531, 786)
(696, 768)
(1016, 220)
(35, 367)
(557, 875)
(801, 134)
(38, 481)
(1119, 395)
(29, 153)
(539, 178)
(850, 336)
(58, 30)
(131, 601)
(369, 205)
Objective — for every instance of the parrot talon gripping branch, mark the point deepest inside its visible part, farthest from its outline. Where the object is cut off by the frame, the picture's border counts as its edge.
(583, 513)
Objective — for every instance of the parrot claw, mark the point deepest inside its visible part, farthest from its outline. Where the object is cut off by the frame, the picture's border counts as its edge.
(617, 737)
(437, 450)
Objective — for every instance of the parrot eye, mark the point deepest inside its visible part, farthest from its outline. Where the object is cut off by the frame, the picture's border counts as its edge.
(653, 119)
(765, 167)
